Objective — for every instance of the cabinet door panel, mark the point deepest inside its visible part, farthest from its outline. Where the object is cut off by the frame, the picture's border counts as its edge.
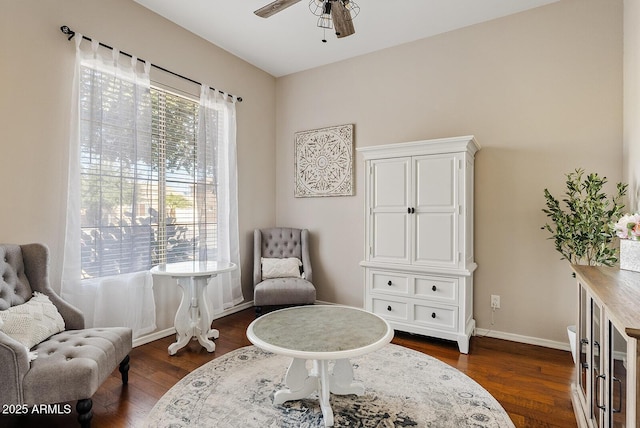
(435, 178)
(598, 405)
(389, 217)
(618, 382)
(435, 242)
(390, 232)
(391, 184)
(436, 200)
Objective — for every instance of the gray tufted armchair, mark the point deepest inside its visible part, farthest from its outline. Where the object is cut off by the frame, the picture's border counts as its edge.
(72, 364)
(281, 242)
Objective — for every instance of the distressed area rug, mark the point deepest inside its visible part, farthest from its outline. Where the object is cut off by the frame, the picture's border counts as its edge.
(403, 388)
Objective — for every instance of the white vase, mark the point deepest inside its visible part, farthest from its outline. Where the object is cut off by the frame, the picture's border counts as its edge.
(630, 255)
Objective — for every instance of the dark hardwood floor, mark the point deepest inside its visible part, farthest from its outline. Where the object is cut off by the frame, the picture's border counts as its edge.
(532, 383)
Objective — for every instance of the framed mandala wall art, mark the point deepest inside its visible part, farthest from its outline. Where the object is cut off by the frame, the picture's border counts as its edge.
(324, 162)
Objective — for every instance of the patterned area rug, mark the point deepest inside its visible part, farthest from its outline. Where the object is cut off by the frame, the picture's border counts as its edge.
(403, 388)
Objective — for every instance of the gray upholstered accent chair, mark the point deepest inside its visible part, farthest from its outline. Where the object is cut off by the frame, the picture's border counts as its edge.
(71, 365)
(282, 242)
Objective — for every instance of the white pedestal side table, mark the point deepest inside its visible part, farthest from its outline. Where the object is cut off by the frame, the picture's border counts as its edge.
(319, 333)
(192, 318)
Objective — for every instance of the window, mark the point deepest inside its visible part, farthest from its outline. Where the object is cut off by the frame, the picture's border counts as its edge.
(148, 172)
(186, 223)
(147, 192)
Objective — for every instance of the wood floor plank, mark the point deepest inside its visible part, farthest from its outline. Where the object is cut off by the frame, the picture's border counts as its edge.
(532, 383)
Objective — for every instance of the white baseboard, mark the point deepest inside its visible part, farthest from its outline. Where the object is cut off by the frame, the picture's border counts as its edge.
(523, 339)
(169, 331)
(147, 338)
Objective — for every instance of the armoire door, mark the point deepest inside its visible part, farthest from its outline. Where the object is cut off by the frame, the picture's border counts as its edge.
(436, 210)
(390, 210)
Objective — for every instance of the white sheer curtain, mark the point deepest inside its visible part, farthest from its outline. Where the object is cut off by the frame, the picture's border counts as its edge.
(216, 160)
(108, 248)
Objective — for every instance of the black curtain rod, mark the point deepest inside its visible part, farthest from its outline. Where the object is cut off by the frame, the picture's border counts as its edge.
(69, 32)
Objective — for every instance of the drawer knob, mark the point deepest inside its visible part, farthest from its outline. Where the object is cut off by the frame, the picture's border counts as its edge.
(433, 288)
(389, 283)
(389, 308)
(433, 315)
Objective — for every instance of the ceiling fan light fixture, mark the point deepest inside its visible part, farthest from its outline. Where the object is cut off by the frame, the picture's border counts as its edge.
(325, 20)
(352, 7)
(317, 7)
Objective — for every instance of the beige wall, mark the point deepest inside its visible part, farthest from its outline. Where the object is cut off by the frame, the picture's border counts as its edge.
(36, 70)
(542, 93)
(631, 150)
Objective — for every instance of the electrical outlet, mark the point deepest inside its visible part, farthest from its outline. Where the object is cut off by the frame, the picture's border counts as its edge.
(495, 301)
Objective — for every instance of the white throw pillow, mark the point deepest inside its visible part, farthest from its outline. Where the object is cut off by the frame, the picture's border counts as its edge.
(280, 268)
(33, 321)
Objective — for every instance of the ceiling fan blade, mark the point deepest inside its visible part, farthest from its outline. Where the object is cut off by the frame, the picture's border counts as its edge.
(342, 22)
(274, 7)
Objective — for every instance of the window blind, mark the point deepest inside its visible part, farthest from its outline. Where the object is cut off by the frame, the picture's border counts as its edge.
(147, 196)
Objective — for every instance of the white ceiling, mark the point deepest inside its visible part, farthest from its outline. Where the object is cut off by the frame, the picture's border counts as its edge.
(289, 41)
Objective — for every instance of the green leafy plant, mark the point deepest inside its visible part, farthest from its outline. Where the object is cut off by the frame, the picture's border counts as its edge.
(583, 231)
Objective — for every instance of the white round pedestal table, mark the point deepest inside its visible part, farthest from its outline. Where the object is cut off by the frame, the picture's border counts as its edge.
(319, 333)
(192, 318)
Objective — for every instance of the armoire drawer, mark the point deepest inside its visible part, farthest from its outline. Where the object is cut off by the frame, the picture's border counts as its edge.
(390, 309)
(437, 288)
(389, 282)
(444, 318)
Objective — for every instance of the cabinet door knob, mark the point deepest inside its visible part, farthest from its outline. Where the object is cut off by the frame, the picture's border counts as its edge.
(408, 210)
(413, 210)
(389, 308)
(433, 315)
(389, 283)
(433, 288)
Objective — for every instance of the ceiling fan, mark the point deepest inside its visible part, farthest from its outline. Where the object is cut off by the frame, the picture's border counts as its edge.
(333, 14)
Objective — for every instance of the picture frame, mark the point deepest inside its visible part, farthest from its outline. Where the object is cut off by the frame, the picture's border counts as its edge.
(323, 162)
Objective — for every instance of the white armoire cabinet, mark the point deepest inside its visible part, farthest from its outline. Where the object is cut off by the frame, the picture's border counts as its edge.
(419, 236)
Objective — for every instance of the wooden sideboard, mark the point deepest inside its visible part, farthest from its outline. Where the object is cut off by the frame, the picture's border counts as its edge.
(605, 390)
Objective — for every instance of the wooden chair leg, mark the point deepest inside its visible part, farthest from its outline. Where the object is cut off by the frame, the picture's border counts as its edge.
(124, 370)
(83, 407)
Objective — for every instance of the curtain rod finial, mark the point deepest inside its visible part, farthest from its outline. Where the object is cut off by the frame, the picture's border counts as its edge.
(68, 31)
